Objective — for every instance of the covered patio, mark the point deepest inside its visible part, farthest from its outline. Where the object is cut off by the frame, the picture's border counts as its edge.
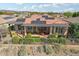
(46, 29)
(42, 29)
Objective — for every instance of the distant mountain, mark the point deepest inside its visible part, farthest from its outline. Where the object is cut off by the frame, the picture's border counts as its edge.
(12, 11)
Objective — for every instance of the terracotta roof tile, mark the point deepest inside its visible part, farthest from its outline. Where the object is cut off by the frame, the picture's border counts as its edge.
(48, 21)
(35, 16)
(2, 20)
(28, 21)
(56, 22)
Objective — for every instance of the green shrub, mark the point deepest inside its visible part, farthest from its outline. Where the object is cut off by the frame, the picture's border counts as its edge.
(15, 40)
(77, 34)
(55, 38)
(27, 40)
(62, 40)
(36, 39)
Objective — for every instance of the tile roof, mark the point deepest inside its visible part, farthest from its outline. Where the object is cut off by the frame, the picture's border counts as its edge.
(48, 21)
(2, 20)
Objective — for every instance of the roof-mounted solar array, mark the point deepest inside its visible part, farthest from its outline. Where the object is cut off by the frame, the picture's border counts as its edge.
(7, 18)
(38, 22)
(20, 20)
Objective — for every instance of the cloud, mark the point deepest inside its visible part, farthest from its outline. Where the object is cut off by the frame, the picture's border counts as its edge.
(29, 8)
(55, 5)
(44, 5)
(38, 7)
(19, 3)
(69, 9)
(58, 4)
(33, 6)
(50, 5)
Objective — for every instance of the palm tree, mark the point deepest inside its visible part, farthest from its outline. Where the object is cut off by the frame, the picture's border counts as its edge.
(9, 30)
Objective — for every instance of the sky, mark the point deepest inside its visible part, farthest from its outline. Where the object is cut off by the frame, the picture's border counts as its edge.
(40, 7)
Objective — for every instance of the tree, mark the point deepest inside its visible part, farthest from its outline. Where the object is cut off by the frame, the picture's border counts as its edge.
(68, 14)
(73, 30)
(9, 28)
(74, 14)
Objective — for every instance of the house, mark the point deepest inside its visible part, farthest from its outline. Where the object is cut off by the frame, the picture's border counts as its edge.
(41, 25)
(38, 24)
(2, 28)
(4, 24)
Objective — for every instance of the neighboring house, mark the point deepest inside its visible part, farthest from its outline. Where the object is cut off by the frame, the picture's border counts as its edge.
(2, 27)
(4, 24)
(73, 19)
(41, 24)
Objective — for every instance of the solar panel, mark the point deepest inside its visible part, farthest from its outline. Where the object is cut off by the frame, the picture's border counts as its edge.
(50, 18)
(38, 22)
(20, 20)
(7, 18)
(45, 16)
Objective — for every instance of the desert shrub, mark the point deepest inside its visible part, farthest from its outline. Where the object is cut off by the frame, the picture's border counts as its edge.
(5, 42)
(15, 39)
(56, 48)
(22, 51)
(21, 40)
(74, 51)
(55, 38)
(52, 38)
(44, 40)
(47, 49)
(62, 40)
(39, 49)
